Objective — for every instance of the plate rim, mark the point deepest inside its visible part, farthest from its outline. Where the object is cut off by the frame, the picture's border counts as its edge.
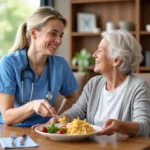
(66, 135)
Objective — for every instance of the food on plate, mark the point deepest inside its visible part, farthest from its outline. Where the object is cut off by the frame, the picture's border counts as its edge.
(78, 126)
(43, 129)
(62, 120)
(52, 128)
(60, 132)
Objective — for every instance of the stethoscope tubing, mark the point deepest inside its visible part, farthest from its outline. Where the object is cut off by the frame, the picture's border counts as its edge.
(28, 68)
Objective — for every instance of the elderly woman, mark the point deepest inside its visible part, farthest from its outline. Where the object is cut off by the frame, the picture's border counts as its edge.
(117, 100)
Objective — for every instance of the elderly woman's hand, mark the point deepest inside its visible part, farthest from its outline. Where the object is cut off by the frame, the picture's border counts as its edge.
(111, 126)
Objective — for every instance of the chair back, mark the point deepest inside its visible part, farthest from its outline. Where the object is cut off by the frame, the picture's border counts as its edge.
(145, 76)
(82, 79)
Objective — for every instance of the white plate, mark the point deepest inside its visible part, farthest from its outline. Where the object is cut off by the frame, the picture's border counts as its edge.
(66, 137)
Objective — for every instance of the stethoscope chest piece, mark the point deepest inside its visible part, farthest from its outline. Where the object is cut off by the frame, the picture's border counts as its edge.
(49, 96)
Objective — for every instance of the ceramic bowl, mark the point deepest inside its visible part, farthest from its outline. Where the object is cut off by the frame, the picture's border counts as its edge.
(126, 25)
(148, 27)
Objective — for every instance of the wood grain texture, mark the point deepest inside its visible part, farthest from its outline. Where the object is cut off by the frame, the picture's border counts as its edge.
(95, 143)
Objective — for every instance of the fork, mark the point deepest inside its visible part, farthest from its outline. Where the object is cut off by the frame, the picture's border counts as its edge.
(24, 136)
(61, 106)
(13, 136)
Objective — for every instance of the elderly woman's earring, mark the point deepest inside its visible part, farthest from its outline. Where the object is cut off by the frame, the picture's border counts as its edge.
(114, 68)
(34, 37)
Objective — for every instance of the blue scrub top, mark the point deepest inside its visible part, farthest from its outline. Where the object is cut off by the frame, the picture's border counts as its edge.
(61, 80)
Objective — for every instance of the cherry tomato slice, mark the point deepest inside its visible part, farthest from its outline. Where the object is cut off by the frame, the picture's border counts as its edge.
(43, 129)
(60, 132)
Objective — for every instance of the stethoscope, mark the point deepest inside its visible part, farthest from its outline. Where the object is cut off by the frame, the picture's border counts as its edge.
(49, 95)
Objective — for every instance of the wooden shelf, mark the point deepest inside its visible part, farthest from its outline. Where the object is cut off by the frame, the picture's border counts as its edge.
(133, 32)
(144, 68)
(92, 34)
(89, 68)
(144, 33)
(85, 34)
(134, 11)
(97, 1)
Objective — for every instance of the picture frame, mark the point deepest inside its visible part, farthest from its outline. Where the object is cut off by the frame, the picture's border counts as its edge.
(47, 3)
(86, 22)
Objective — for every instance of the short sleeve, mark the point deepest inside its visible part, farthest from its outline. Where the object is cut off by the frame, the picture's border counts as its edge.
(69, 83)
(7, 76)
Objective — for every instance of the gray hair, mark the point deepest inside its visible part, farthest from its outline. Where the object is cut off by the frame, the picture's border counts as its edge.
(37, 20)
(122, 44)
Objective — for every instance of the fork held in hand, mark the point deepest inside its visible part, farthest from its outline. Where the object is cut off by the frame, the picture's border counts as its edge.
(61, 106)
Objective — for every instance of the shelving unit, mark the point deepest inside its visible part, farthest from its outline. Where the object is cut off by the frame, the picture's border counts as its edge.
(135, 11)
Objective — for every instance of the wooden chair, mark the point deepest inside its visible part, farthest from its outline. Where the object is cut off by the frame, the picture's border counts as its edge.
(145, 76)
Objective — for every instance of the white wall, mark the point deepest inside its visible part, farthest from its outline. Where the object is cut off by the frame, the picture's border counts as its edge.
(63, 7)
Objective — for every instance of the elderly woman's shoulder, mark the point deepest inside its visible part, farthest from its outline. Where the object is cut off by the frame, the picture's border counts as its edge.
(138, 80)
(96, 82)
(97, 79)
(133, 79)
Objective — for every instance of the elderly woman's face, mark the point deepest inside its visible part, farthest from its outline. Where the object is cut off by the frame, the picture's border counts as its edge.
(103, 64)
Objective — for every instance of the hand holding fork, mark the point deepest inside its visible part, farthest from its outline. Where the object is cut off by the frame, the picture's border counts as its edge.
(55, 117)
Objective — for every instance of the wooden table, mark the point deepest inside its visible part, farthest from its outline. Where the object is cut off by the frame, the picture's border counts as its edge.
(95, 143)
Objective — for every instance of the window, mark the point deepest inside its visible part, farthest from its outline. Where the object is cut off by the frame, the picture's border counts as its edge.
(12, 14)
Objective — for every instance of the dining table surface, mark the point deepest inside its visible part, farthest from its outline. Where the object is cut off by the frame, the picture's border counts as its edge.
(115, 142)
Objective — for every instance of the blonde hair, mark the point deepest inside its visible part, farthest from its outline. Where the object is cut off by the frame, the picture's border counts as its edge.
(37, 20)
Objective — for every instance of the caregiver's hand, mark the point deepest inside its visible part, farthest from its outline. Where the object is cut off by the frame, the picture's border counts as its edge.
(43, 108)
(52, 120)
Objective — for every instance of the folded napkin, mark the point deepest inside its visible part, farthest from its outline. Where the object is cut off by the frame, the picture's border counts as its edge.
(6, 142)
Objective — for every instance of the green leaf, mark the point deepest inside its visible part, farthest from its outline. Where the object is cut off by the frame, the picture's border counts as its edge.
(83, 52)
(86, 63)
(91, 60)
(52, 128)
(83, 59)
(74, 61)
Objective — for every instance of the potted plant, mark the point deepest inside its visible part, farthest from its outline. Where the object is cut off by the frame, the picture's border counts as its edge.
(82, 59)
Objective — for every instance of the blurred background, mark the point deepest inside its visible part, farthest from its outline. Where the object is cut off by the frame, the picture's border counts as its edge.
(86, 20)
(14, 12)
